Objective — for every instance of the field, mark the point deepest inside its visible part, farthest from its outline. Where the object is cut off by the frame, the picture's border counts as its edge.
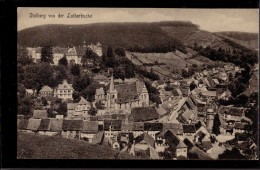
(33, 146)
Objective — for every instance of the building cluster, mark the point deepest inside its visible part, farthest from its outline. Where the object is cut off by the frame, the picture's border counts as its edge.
(128, 121)
(72, 54)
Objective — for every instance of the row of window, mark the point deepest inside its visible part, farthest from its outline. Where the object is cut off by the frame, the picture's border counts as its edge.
(64, 91)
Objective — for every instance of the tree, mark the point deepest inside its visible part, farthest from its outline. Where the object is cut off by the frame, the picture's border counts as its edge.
(92, 111)
(234, 154)
(60, 73)
(80, 84)
(120, 51)
(76, 96)
(25, 106)
(75, 70)
(44, 101)
(63, 61)
(110, 57)
(216, 124)
(89, 56)
(22, 57)
(63, 109)
(47, 54)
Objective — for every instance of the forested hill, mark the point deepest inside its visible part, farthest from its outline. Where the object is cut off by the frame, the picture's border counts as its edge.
(142, 37)
(249, 40)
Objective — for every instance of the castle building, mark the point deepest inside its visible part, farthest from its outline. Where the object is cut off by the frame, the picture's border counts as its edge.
(126, 95)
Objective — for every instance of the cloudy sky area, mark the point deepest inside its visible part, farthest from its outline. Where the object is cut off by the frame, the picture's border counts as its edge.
(213, 20)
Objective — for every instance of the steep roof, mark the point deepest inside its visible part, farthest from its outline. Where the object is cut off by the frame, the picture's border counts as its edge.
(72, 125)
(139, 114)
(56, 125)
(127, 127)
(83, 101)
(175, 127)
(207, 145)
(234, 111)
(191, 104)
(45, 125)
(38, 114)
(201, 154)
(145, 137)
(22, 123)
(97, 139)
(90, 127)
(189, 128)
(138, 126)
(126, 93)
(188, 113)
(46, 89)
(33, 124)
(153, 126)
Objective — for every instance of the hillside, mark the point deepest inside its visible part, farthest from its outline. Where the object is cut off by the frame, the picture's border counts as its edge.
(33, 146)
(249, 40)
(132, 36)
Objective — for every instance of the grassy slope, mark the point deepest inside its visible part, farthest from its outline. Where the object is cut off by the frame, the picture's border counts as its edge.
(33, 146)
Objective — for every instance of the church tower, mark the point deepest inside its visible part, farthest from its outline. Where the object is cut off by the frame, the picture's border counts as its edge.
(111, 95)
(84, 43)
(210, 118)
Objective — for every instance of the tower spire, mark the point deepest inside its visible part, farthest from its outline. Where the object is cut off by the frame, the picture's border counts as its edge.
(112, 86)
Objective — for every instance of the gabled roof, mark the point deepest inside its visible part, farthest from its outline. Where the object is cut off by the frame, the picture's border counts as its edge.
(118, 116)
(46, 89)
(45, 125)
(71, 106)
(114, 123)
(161, 111)
(65, 86)
(189, 128)
(209, 93)
(83, 101)
(127, 127)
(56, 125)
(33, 124)
(234, 111)
(145, 138)
(140, 114)
(191, 104)
(100, 91)
(72, 125)
(181, 144)
(90, 127)
(239, 125)
(38, 114)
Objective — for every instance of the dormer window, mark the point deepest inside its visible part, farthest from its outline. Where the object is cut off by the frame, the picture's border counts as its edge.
(65, 86)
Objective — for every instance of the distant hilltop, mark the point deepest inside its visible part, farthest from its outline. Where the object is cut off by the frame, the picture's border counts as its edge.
(164, 36)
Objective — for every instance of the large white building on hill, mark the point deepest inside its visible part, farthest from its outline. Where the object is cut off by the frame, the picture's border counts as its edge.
(73, 54)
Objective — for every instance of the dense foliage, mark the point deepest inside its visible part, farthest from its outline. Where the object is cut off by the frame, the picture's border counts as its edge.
(142, 37)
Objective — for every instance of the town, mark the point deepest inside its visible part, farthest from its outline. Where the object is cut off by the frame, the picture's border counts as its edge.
(190, 114)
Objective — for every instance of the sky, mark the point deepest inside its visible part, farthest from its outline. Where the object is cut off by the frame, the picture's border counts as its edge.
(213, 20)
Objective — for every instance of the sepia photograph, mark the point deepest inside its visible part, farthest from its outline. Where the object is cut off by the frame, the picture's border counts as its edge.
(137, 83)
